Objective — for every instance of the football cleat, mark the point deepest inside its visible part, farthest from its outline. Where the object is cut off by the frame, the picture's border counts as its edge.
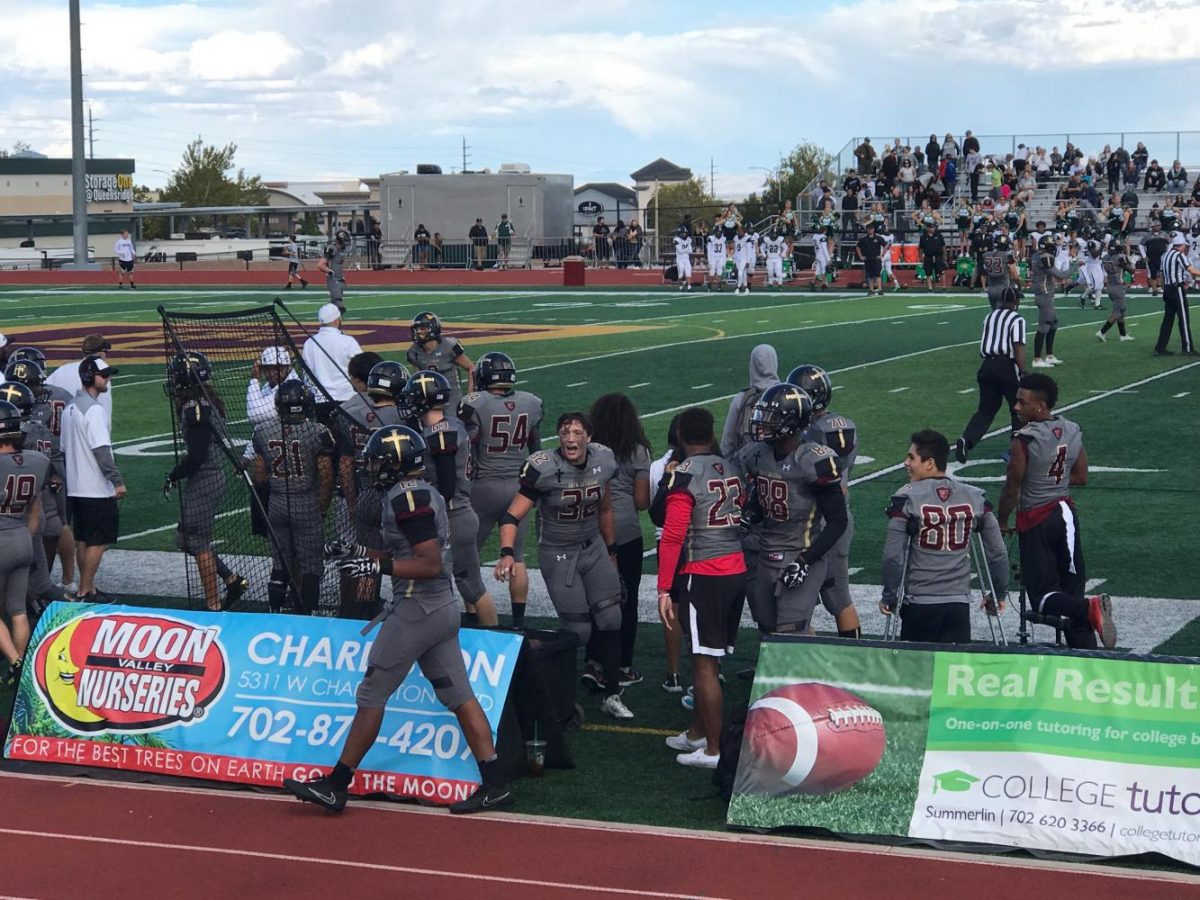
(615, 707)
(1100, 618)
(685, 744)
(483, 799)
(698, 759)
(320, 792)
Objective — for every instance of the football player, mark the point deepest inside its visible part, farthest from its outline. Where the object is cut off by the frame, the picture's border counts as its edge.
(822, 258)
(420, 625)
(503, 424)
(25, 471)
(201, 416)
(360, 417)
(433, 351)
(840, 435)
(1092, 271)
(745, 249)
(294, 454)
(796, 483)
(569, 487)
(1116, 264)
(927, 551)
(1001, 270)
(448, 468)
(1047, 458)
(1042, 271)
(331, 266)
(716, 261)
(774, 247)
(683, 258)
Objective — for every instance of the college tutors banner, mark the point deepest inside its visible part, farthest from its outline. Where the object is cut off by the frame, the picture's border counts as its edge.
(1085, 754)
(246, 698)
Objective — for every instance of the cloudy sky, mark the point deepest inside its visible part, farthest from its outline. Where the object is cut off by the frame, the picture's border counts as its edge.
(315, 89)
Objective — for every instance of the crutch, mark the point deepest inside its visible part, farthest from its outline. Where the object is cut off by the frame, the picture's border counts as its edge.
(891, 624)
(1024, 632)
(988, 589)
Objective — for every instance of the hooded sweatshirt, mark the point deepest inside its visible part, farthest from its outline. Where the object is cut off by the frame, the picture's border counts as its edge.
(764, 372)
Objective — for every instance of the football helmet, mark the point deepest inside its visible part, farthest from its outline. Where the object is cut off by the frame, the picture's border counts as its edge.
(26, 371)
(187, 368)
(1094, 249)
(29, 353)
(19, 395)
(495, 369)
(387, 379)
(294, 403)
(781, 411)
(1047, 244)
(392, 453)
(426, 390)
(814, 381)
(426, 327)
(10, 422)
(342, 236)
(1002, 242)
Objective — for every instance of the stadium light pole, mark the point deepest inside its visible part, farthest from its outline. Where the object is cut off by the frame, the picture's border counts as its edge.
(78, 170)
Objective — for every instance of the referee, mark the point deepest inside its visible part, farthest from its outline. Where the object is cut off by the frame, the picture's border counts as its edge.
(1002, 347)
(1175, 269)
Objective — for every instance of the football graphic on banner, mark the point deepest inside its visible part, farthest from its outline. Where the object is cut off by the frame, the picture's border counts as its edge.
(809, 738)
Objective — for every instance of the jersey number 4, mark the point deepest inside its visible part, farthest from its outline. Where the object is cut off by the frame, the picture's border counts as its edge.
(19, 491)
(1058, 468)
(286, 459)
(508, 431)
(945, 527)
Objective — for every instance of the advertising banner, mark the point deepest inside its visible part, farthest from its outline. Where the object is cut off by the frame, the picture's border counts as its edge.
(246, 698)
(1075, 753)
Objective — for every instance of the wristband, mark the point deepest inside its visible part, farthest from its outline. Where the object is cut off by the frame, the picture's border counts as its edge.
(612, 549)
(507, 551)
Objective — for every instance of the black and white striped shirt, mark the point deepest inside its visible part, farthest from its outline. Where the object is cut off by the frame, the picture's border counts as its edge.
(1174, 266)
(1002, 330)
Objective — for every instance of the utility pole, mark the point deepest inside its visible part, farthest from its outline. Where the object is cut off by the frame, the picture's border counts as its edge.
(712, 177)
(464, 153)
(91, 135)
(78, 164)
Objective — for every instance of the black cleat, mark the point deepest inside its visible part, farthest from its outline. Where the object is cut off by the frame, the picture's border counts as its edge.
(1164, 352)
(234, 590)
(484, 799)
(320, 792)
(960, 451)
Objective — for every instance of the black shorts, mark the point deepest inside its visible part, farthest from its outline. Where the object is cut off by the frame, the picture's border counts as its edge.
(936, 623)
(705, 604)
(933, 265)
(1153, 266)
(293, 267)
(125, 264)
(873, 267)
(728, 232)
(95, 520)
(1052, 556)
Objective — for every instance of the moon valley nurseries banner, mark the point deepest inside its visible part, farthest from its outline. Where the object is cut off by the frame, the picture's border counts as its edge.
(1091, 754)
(238, 697)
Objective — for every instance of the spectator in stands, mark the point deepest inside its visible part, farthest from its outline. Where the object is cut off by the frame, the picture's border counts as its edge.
(995, 179)
(1041, 165)
(635, 243)
(849, 217)
(1140, 155)
(600, 243)
(970, 143)
(1020, 159)
(1112, 171)
(479, 242)
(438, 250)
(1129, 176)
(819, 194)
(851, 182)
(1055, 161)
(421, 239)
(1072, 190)
(918, 158)
(907, 175)
(896, 210)
(1156, 178)
(1177, 178)
(933, 151)
(1026, 186)
(1196, 190)
(976, 177)
(889, 168)
(949, 147)
(621, 244)
(865, 154)
(948, 175)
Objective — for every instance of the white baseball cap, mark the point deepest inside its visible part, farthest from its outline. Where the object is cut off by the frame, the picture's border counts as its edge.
(3, 341)
(275, 356)
(328, 314)
(1179, 240)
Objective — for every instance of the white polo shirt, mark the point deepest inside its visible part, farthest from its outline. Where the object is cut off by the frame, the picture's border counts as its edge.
(84, 429)
(123, 249)
(327, 354)
(66, 377)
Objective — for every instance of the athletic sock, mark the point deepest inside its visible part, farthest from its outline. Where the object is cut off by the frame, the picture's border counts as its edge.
(854, 633)
(223, 571)
(492, 772)
(1121, 327)
(518, 615)
(341, 776)
(608, 646)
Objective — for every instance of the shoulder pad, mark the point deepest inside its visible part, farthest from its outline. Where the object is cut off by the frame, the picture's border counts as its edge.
(196, 412)
(824, 462)
(678, 478)
(895, 508)
(412, 503)
(470, 398)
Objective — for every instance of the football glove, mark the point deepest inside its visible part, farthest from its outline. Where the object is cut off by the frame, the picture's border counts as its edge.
(168, 483)
(359, 567)
(340, 549)
(794, 573)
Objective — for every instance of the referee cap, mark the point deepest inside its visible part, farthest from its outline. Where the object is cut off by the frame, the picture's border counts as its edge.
(1178, 241)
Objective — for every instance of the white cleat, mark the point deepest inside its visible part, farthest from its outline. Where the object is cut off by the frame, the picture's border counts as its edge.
(1041, 364)
(1126, 337)
(1053, 360)
(698, 759)
(684, 743)
(1101, 337)
(615, 707)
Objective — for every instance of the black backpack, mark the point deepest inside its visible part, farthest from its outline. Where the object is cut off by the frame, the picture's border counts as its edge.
(731, 749)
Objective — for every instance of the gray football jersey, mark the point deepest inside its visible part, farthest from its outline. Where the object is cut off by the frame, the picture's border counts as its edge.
(439, 359)
(357, 419)
(940, 514)
(500, 427)
(1115, 267)
(291, 453)
(40, 438)
(408, 502)
(1041, 268)
(625, 513)
(22, 475)
(48, 409)
(716, 490)
(337, 263)
(568, 496)
(995, 267)
(449, 437)
(1052, 447)
(838, 434)
(785, 492)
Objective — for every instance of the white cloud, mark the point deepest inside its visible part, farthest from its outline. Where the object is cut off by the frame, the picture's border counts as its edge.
(232, 55)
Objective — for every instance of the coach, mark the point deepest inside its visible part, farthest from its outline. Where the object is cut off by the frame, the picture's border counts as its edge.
(1002, 347)
(66, 376)
(94, 485)
(1175, 270)
(327, 355)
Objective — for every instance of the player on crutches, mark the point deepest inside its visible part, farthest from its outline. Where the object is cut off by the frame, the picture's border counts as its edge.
(992, 603)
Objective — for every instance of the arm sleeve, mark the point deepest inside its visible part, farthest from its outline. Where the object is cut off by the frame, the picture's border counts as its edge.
(675, 528)
(418, 527)
(108, 466)
(446, 474)
(198, 440)
(831, 501)
(995, 553)
(894, 544)
(534, 442)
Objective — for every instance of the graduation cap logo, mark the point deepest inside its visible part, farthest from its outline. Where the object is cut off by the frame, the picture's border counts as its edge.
(956, 781)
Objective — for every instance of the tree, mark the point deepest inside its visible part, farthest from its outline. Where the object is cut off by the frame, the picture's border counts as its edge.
(202, 179)
(676, 200)
(18, 148)
(806, 163)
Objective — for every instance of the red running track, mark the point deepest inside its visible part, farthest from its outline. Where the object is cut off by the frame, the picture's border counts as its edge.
(67, 839)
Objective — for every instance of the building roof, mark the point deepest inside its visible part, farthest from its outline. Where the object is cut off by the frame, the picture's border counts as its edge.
(32, 165)
(610, 189)
(661, 170)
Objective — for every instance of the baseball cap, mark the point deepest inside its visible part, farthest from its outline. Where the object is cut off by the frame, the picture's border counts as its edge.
(94, 343)
(328, 314)
(275, 356)
(93, 366)
(3, 341)
(1178, 241)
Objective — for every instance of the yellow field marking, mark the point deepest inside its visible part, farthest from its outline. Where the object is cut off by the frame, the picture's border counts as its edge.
(623, 729)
